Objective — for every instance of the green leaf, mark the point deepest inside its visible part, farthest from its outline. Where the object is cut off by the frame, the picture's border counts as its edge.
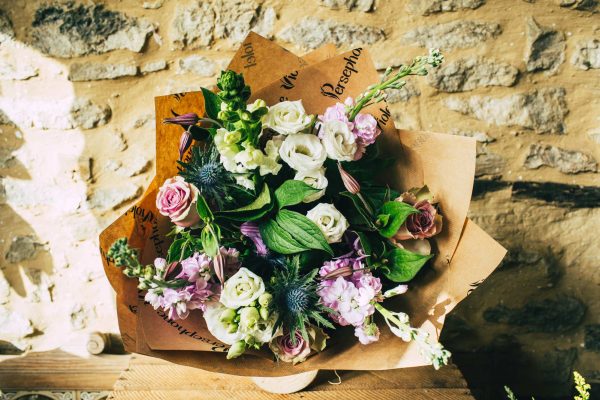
(212, 103)
(303, 230)
(210, 239)
(392, 215)
(277, 239)
(403, 264)
(253, 211)
(203, 209)
(358, 215)
(293, 192)
(174, 253)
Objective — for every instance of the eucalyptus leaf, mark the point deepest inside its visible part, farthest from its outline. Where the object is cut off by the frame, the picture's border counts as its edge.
(392, 215)
(303, 230)
(292, 192)
(212, 103)
(277, 239)
(403, 265)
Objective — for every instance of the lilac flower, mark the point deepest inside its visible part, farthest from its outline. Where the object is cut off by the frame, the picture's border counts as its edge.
(175, 303)
(336, 112)
(250, 229)
(179, 302)
(367, 333)
(154, 298)
(365, 129)
(196, 266)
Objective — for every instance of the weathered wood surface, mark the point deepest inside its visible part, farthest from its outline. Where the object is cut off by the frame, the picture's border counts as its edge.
(149, 378)
(58, 370)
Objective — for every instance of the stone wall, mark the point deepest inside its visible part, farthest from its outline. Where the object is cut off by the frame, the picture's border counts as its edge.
(77, 82)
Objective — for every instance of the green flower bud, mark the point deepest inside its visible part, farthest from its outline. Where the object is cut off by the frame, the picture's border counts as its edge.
(264, 313)
(236, 350)
(265, 299)
(250, 340)
(148, 272)
(227, 315)
(249, 317)
(232, 328)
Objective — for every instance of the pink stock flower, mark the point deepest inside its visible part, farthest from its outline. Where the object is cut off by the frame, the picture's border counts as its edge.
(336, 112)
(196, 266)
(250, 229)
(349, 289)
(367, 333)
(365, 129)
(176, 199)
(179, 302)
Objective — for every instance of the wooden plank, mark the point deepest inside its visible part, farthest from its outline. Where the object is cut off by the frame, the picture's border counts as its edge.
(58, 370)
(150, 378)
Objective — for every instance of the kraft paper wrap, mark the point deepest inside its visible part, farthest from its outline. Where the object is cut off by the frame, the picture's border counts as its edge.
(465, 253)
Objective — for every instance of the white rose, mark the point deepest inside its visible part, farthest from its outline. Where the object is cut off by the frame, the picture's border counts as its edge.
(329, 220)
(216, 327)
(303, 152)
(241, 289)
(287, 117)
(315, 179)
(338, 140)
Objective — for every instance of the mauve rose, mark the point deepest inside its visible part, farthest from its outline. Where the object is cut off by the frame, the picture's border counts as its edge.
(422, 225)
(176, 199)
(288, 352)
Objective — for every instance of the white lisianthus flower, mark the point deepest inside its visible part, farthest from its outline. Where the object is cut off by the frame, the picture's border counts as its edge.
(287, 117)
(258, 103)
(244, 181)
(339, 141)
(270, 163)
(218, 327)
(329, 220)
(303, 152)
(315, 179)
(250, 158)
(242, 289)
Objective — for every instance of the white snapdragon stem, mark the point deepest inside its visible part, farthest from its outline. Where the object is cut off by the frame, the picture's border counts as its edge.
(400, 326)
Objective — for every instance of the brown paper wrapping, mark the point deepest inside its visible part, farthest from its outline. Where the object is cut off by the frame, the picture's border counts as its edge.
(446, 163)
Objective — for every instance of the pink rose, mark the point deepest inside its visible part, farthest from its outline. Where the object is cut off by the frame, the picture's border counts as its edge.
(176, 199)
(423, 225)
(286, 351)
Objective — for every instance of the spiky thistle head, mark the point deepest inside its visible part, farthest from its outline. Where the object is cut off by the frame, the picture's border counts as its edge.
(295, 299)
(205, 171)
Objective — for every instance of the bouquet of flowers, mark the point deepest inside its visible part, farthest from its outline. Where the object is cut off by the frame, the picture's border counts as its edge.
(284, 235)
